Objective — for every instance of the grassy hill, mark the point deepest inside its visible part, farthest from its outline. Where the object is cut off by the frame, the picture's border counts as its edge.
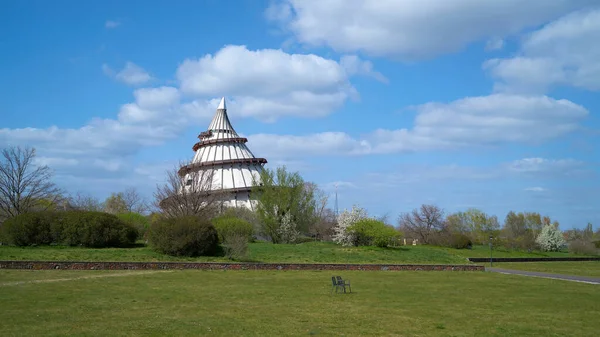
(310, 252)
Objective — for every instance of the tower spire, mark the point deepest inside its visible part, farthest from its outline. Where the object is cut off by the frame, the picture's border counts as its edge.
(222, 105)
(335, 210)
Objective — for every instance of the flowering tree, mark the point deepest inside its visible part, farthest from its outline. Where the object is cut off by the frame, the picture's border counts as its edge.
(346, 219)
(287, 230)
(550, 238)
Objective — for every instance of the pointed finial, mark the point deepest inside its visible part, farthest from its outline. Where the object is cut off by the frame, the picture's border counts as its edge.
(222, 105)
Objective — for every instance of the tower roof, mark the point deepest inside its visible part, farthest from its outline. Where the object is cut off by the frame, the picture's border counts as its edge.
(222, 105)
(221, 126)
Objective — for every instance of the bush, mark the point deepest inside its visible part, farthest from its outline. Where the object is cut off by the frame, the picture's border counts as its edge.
(184, 236)
(234, 233)
(95, 229)
(74, 228)
(369, 232)
(244, 214)
(460, 241)
(140, 222)
(227, 225)
(596, 243)
(583, 247)
(28, 229)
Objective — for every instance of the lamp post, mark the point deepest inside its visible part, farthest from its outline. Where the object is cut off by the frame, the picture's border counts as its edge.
(491, 260)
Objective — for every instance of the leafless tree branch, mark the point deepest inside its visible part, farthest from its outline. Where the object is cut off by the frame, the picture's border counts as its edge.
(188, 194)
(24, 186)
(422, 222)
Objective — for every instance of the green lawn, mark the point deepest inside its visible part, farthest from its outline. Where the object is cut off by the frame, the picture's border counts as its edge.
(293, 303)
(311, 252)
(584, 268)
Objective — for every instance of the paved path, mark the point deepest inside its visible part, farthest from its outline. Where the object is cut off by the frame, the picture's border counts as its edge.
(573, 278)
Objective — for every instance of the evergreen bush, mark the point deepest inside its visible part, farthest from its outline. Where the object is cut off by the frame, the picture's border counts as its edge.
(184, 236)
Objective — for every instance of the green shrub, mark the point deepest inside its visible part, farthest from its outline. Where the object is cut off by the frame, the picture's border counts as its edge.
(234, 233)
(460, 241)
(74, 228)
(597, 244)
(369, 232)
(96, 229)
(227, 226)
(243, 213)
(137, 220)
(184, 236)
(39, 228)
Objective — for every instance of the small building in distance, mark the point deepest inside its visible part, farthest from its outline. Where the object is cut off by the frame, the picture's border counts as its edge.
(234, 167)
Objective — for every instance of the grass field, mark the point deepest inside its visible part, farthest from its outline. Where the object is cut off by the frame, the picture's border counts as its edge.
(586, 268)
(311, 252)
(271, 303)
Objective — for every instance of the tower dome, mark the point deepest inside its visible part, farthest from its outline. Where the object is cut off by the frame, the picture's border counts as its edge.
(234, 167)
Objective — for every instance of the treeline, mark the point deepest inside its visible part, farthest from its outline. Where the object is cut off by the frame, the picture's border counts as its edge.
(521, 231)
(184, 219)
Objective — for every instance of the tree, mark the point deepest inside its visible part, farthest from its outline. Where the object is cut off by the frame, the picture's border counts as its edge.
(115, 204)
(422, 222)
(343, 234)
(521, 229)
(84, 202)
(134, 202)
(475, 223)
(187, 194)
(279, 193)
(23, 185)
(550, 238)
(323, 219)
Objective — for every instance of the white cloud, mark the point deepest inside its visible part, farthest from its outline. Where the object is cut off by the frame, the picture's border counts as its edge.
(535, 189)
(494, 44)
(354, 65)
(526, 168)
(539, 166)
(109, 24)
(411, 28)
(563, 52)
(270, 83)
(131, 74)
(473, 121)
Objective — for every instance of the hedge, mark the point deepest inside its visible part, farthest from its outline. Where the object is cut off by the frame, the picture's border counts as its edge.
(73, 228)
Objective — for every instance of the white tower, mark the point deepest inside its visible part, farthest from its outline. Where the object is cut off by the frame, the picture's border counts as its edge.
(222, 150)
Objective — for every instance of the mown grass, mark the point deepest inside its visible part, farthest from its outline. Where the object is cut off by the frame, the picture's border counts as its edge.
(310, 252)
(583, 268)
(296, 303)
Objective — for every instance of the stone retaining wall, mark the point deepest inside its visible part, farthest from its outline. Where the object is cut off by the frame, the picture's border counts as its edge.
(532, 259)
(70, 265)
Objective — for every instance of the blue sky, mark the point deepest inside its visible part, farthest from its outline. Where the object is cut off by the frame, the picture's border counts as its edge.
(459, 103)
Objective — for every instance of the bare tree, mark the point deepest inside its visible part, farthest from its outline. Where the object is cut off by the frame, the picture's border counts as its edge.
(23, 185)
(85, 202)
(422, 222)
(187, 193)
(134, 202)
(324, 219)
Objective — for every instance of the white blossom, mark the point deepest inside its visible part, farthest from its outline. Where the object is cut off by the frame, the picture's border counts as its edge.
(550, 239)
(346, 219)
(287, 230)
